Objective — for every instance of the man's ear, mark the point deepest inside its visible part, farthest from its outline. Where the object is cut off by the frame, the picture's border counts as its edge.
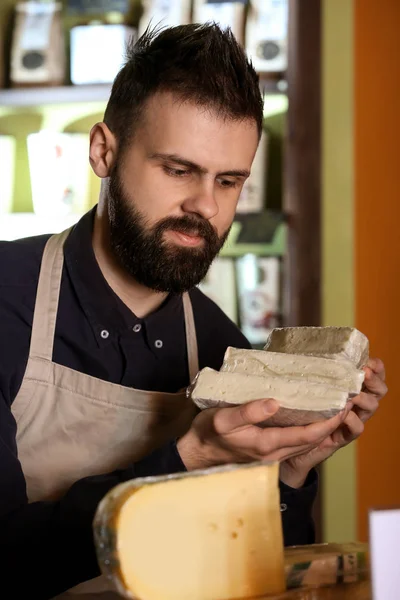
(103, 150)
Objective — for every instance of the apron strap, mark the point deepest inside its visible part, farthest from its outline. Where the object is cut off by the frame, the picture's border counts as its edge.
(47, 296)
(191, 338)
(46, 306)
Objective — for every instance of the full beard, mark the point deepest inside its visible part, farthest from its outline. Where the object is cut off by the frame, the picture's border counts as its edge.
(143, 252)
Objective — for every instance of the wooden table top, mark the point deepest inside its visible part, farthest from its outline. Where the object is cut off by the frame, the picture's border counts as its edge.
(349, 591)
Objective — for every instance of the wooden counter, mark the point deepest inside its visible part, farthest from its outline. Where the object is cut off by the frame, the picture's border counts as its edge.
(356, 591)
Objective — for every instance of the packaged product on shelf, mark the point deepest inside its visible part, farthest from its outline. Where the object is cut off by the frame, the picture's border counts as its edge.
(7, 172)
(37, 50)
(258, 281)
(266, 34)
(220, 285)
(96, 7)
(98, 50)
(59, 172)
(164, 13)
(226, 14)
(253, 195)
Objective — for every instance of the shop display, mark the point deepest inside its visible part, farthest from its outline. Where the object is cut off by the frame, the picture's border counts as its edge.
(226, 528)
(345, 343)
(253, 195)
(164, 13)
(7, 172)
(220, 285)
(98, 51)
(37, 52)
(226, 14)
(59, 172)
(266, 34)
(258, 282)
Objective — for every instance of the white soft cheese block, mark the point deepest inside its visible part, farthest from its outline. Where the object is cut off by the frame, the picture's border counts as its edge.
(204, 535)
(301, 402)
(338, 373)
(326, 342)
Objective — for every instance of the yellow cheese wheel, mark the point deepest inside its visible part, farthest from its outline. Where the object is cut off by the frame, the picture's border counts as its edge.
(205, 535)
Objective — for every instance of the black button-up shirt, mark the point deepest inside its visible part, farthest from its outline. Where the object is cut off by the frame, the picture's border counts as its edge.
(48, 546)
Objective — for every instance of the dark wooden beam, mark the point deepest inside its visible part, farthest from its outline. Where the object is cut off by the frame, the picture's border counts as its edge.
(302, 177)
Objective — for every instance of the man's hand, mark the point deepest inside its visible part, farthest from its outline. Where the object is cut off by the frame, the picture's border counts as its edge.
(294, 471)
(230, 435)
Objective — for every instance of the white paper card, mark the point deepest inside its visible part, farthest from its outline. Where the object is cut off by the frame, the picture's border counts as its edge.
(384, 526)
(219, 285)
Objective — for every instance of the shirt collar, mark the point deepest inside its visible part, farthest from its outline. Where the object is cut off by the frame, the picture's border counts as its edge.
(104, 310)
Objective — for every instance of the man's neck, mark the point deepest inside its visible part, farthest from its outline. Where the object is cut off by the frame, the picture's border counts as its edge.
(139, 299)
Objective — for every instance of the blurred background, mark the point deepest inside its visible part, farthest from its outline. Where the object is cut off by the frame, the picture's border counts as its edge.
(315, 239)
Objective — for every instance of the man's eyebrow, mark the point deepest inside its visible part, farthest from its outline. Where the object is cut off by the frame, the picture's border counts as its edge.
(179, 160)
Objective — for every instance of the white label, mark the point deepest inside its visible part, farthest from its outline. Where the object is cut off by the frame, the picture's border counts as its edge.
(384, 544)
(166, 13)
(272, 18)
(36, 31)
(223, 14)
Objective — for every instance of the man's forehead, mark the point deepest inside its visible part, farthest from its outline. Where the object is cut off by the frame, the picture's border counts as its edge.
(198, 134)
(165, 107)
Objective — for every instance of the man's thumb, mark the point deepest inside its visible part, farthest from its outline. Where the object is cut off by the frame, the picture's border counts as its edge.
(250, 413)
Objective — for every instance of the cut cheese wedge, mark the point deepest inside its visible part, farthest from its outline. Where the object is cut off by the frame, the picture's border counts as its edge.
(344, 343)
(205, 535)
(341, 374)
(301, 402)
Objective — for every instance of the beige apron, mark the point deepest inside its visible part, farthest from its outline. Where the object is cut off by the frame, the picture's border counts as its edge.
(71, 425)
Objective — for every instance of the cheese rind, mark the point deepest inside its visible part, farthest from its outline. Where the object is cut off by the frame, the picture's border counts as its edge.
(341, 374)
(301, 402)
(344, 343)
(194, 536)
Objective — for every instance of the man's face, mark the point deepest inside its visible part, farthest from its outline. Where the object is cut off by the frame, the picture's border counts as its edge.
(173, 192)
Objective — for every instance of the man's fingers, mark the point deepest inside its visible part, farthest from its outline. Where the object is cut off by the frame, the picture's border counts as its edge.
(274, 438)
(377, 366)
(374, 383)
(354, 426)
(227, 420)
(366, 402)
(290, 452)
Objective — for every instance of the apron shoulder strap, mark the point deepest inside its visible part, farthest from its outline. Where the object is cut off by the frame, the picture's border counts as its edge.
(47, 297)
(191, 338)
(46, 306)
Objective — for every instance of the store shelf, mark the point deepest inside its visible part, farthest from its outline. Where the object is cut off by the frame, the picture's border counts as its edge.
(20, 225)
(54, 95)
(271, 83)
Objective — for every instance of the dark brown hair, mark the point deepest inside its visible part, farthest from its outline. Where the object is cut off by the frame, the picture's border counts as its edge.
(199, 63)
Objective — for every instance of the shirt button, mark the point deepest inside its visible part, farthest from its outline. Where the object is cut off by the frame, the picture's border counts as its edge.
(158, 344)
(283, 507)
(104, 334)
(137, 328)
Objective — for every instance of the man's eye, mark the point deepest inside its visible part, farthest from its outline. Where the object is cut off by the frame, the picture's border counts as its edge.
(228, 183)
(175, 172)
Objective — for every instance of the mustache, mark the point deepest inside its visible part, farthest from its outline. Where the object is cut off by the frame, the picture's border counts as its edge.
(196, 226)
